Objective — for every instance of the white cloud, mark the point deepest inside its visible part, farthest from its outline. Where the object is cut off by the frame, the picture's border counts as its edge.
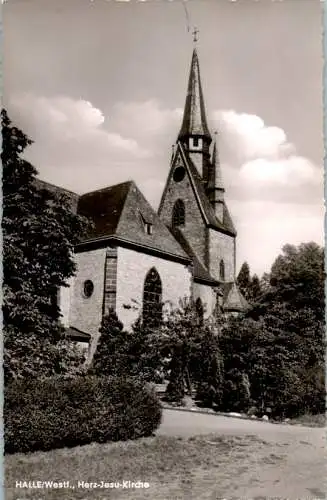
(145, 120)
(253, 138)
(62, 120)
(264, 227)
(293, 170)
(260, 162)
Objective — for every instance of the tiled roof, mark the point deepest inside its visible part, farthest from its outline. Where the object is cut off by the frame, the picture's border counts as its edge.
(194, 119)
(104, 208)
(233, 300)
(71, 197)
(122, 211)
(77, 335)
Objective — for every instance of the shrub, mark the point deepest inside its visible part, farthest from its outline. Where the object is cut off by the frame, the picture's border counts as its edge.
(59, 412)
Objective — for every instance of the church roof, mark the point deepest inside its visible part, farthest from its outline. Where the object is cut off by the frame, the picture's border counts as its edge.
(206, 208)
(73, 333)
(70, 195)
(194, 119)
(200, 273)
(233, 300)
(104, 208)
(122, 212)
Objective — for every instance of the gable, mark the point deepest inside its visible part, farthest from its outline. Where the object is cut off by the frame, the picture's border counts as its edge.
(180, 188)
(179, 185)
(182, 160)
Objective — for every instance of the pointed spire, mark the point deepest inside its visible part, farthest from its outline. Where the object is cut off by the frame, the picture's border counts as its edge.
(217, 175)
(194, 119)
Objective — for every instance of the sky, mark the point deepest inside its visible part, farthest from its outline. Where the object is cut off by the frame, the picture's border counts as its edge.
(100, 87)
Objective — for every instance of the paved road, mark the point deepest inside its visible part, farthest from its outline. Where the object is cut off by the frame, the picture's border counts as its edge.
(300, 475)
(182, 423)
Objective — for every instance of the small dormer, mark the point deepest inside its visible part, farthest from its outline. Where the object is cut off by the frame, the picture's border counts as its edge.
(147, 225)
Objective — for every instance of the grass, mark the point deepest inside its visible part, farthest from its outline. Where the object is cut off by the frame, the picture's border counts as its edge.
(174, 468)
(309, 420)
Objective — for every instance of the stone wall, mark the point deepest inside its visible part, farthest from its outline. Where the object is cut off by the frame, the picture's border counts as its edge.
(86, 313)
(207, 296)
(65, 299)
(194, 230)
(131, 272)
(221, 246)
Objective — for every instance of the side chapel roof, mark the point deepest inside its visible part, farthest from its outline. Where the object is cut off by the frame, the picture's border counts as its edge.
(233, 299)
(121, 211)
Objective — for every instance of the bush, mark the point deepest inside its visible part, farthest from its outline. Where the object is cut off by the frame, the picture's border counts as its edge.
(60, 412)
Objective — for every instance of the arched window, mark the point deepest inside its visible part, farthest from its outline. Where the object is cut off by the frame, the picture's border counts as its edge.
(199, 310)
(179, 214)
(222, 270)
(152, 298)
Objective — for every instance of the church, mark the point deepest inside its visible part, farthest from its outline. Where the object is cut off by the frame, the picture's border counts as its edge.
(139, 261)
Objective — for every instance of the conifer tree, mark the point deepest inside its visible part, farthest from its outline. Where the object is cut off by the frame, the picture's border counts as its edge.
(111, 355)
(244, 279)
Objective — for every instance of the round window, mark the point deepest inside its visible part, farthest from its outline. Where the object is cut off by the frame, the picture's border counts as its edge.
(88, 288)
(179, 174)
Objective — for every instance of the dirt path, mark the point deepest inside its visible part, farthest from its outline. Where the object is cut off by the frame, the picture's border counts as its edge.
(289, 463)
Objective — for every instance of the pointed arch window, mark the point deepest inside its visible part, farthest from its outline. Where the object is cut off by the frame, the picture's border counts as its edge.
(222, 270)
(179, 214)
(152, 298)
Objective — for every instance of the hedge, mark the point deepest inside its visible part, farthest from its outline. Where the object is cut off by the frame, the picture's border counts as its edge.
(59, 412)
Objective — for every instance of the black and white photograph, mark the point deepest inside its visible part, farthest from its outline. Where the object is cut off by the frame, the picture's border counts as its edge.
(163, 249)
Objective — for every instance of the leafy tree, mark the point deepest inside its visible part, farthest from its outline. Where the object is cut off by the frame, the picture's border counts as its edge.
(39, 234)
(298, 277)
(195, 356)
(280, 344)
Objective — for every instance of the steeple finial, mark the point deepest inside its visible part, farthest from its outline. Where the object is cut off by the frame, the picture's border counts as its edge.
(195, 33)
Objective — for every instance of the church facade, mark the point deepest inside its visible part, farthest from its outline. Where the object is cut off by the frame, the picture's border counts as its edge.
(140, 262)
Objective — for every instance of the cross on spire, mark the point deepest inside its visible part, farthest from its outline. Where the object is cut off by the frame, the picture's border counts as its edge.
(195, 33)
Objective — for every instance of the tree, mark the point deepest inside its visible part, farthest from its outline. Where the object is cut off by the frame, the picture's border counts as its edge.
(111, 355)
(209, 379)
(280, 342)
(244, 280)
(254, 288)
(39, 234)
(298, 277)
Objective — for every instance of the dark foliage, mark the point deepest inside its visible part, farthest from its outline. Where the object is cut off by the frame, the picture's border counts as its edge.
(58, 412)
(280, 345)
(111, 355)
(39, 234)
(208, 369)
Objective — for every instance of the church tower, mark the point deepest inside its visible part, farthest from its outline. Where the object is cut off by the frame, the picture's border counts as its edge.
(194, 133)
(193, 203)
